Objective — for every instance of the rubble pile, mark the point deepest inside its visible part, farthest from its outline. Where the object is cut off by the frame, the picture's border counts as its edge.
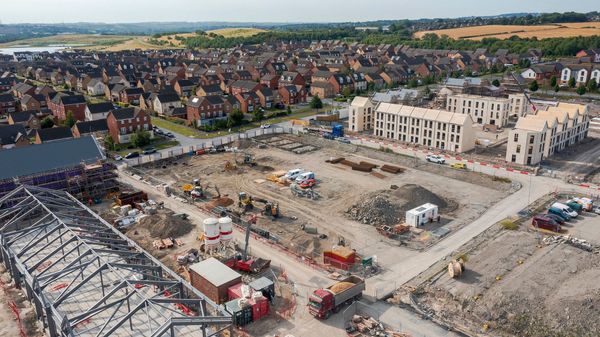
(568, 239)
(375, 210)
(368, 326)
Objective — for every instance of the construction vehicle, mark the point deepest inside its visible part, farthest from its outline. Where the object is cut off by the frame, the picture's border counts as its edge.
(245, 201)
(459, 166)
(271, 209)
(323, 302)
(249, 160)
(244, 262)
(337, 131)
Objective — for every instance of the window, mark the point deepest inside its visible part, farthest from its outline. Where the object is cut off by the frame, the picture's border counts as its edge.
(531, 139)
(514, 158)
(518, 149)
(516, 138)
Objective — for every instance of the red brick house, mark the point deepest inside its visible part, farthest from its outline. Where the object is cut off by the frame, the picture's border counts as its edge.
(291, 94)
(131, 95)
(291, 78)
(61, 104)
(270, 81)
(339, 82)
(240, 87)
(8, 104)
(249, 101)
(123, 123)
(205, 110)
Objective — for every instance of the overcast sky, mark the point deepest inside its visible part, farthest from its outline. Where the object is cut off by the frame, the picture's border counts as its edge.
(110, 11)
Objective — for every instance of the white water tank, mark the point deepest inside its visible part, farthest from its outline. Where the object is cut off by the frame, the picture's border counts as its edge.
(226, 230)
(212, 233)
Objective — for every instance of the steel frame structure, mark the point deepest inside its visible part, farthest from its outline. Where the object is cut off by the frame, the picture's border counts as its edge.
(85, 278)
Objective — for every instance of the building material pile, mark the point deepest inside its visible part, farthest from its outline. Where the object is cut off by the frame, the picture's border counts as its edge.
(164, 224)
(575, 242)
(375, 210)
(392, 169)
(368, 326)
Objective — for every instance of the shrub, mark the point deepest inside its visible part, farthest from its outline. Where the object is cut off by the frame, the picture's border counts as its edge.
(509, 224)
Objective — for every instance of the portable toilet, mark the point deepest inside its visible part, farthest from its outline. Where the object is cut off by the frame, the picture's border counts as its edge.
(421, 215)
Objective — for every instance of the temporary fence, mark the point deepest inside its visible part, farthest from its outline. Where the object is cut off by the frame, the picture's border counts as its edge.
(220, 141)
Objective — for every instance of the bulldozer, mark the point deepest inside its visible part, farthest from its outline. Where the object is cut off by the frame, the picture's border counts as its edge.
(271, 209)
(245, 201)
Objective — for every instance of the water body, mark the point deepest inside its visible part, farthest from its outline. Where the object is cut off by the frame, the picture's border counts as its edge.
(50, 48)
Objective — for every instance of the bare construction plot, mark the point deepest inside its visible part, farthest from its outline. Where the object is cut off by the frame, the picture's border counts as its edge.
(308, 226)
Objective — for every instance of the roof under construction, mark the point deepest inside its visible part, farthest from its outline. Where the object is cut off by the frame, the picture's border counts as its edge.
(87, 279)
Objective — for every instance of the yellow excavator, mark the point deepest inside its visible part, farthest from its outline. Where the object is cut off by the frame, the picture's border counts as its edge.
(245, 201)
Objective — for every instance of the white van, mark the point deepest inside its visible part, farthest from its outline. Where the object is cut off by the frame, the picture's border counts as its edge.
(566, 209)
(293, 174)
(304, 177)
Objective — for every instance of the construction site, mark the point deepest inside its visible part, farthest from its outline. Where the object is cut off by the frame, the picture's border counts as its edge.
(357, 197)
(521, 280)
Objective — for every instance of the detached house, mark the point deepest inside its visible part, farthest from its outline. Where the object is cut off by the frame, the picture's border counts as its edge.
(164, 104)
(291, 78)
(131, 95)
(184, 88)
(98, 111)
(28, 119)
(61, 104)
(123, 123)
(340, 82)
(13, 136)
(98, 128)
(8, 104)
(96, 87)
(209, 90)
(291, 94)
(33, 102)
(205, 110)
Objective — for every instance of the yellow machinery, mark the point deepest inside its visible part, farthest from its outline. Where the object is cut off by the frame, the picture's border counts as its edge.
(245, 201)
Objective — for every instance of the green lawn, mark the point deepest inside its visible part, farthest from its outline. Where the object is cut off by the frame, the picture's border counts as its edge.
(157, 143)
(194, 133)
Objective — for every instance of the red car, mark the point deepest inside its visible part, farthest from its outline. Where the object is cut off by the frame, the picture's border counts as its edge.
(544, 222)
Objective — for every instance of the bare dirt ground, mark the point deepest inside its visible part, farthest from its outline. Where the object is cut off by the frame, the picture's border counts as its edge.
(339, 186)
(9, 326)
(579, 163)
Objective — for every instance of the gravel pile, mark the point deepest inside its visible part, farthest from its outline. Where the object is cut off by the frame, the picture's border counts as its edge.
(376, 209)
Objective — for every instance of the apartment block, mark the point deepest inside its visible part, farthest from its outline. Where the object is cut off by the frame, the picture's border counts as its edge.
(482, 109)
(434, 128)
(548, 131)
(360, 116)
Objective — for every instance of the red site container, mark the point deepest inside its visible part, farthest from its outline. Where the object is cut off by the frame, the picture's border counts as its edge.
(234, 292)
(260, 307)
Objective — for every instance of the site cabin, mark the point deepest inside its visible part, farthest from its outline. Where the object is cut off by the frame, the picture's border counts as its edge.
(421, 215)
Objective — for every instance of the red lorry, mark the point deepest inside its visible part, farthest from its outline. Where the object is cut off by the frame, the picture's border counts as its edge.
(324, 301)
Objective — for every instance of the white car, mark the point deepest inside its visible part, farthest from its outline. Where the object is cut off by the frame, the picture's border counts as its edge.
(265, 126)
(597, 210)
(435, 159)
(118, 158)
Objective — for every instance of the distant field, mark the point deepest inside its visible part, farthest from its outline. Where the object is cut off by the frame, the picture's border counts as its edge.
(506, 31)
(74, 39)
(237, 32)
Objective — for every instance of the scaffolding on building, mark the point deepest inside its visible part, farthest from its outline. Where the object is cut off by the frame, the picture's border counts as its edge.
(83, 181)
(85, 278)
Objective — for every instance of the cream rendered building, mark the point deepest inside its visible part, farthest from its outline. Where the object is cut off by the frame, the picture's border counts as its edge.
(550, 130)
(429, 127)
(360, 116)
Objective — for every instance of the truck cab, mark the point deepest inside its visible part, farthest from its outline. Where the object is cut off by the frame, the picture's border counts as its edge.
(321, 303)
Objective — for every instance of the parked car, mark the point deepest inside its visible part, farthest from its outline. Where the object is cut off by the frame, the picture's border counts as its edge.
(575, 206)
(560, 213)
(343, 140)
(170, 135)
(560, 220)
(149, 150)
(597, 210)
(435, 159)
(544, 222)
(293, 174)
(265, 126)
(304, 177)
(132, 155)
(117, 157)
(566, 209)
(158, 131)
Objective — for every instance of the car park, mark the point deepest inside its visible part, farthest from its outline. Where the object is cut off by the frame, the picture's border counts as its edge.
(432, 158)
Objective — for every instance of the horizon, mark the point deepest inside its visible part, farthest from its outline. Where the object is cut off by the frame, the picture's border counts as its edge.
(236, 11)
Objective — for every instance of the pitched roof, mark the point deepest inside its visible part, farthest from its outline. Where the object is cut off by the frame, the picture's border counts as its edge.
(9, 133)
(5, 98)
(164, 98)
(22, 161)
(125, 113)
(60, 132)
(72, 99)
(91, 126)
(21, 116)
(100, 107)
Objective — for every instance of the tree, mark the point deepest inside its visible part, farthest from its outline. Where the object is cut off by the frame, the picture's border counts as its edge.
(70, 121)
(236, 117)
(47, 123)
(556, 88)
(412, 83)
(581, 90)
(259, 115)
(289, 110)
(592, 85)
(109, 143)
(553, 81)
(346, 91)
(316, 102)
(496, 83)
(572, 82)
(140, 138)
(534, 86)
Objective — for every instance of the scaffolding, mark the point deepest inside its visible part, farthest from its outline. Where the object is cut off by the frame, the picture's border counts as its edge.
(85, 278)
(81, 181)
